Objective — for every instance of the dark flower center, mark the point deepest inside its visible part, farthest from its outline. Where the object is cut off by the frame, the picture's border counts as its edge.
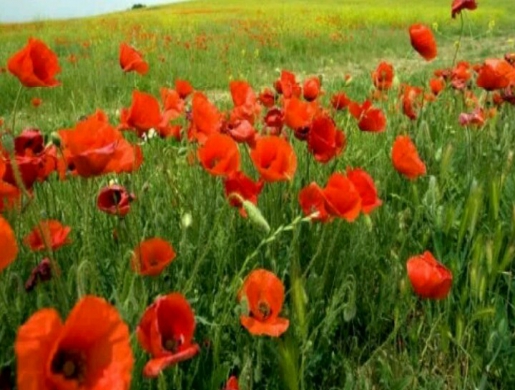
(172, 344)
(264, 309)
(70, 364)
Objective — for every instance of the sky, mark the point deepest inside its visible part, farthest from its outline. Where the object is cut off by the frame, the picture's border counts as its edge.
(33, 10)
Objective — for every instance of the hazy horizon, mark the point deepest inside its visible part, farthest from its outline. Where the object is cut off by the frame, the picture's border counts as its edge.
(12, 11)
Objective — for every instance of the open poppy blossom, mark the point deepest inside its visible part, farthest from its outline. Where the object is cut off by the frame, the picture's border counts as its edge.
(7, 243)
(220, 155)
(274, 158)
(35, 65)
(287, 85)
(115, 200)
(152, 256)
(325, 141)
(183, 88)
(298, 115)
(173, 104)
(240, 184)
(48, 235)
(405, 158)
(437, 85)
(475, 118)
(144, 113)
(206, 119)
(267, 98)
(132, 60)
(311, 88)
(245, 101)
(95, 148)
(342, 199)
(411, 101)
(313, 203)
(459, 5)
(495, 74)
(264, 293)
(383, 76)
(369, 118)
(91, 350)
(423, 41)
(366, 188)
(232, 384)
(430, 279)
(340, 101)
(166, 332)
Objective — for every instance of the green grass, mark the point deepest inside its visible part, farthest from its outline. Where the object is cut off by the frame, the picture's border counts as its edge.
(355, 322)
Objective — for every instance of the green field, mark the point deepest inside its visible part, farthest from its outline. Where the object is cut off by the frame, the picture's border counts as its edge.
(355, 322)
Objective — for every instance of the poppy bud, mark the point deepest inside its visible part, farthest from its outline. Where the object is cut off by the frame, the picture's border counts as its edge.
(255, 216)
(55, 139)
(7, 142)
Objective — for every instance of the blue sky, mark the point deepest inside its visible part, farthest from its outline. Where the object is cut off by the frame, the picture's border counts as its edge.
(31, 10)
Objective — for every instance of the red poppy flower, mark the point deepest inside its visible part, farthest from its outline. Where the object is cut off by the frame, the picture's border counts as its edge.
(173, 104)
(299, 114)
(95, 148)
(91, 350)
(144, 113)
(340, 101)
(7, 243)
(35, 65)
(423, 41)
(287, 85)
(206, 119)
(325, 141)
(458, 5)
(274, 120)
(342, 199)
(429, 278)
(475, 118)
(410, 104)
(49, 234)
(267, 98)
(460, 75)
(383, 76)
(264, 293)
(405, 158)
(220, 155)
(240, 184)
(241, 130)
(437, 85)
(40, 273)
(274, 158)
(312, 200)
(166, 332)
(36, 102)
(183, 88)
(246, 105)
(366, 188)
(115, 200)
(495, 74)
(152, 256)
(132, 60)
(369, 118)
(232, 384)
(311, 88)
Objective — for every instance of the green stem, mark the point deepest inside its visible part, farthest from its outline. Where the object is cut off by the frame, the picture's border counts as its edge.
(459, 40)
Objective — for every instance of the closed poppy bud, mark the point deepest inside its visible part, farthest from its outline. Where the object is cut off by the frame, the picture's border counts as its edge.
(152, 256)
(264, 293)
(132, 60)
(7, 243)
(35, 65)
(311, 88)
(48, 235)
(405, 158)
(423, 41)
(115, 200)
(429, 278)
(459, 5)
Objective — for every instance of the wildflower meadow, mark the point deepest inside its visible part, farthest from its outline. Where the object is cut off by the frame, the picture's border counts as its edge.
(259, 195)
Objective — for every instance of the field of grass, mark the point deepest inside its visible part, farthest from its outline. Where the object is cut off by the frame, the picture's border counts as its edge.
(355, 322)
